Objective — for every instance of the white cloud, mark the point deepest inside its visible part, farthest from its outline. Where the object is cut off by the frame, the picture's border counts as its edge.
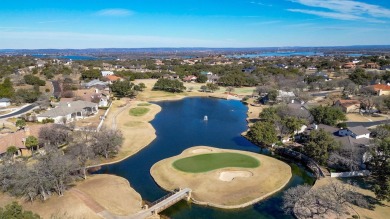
(344, 9)
(260, 3)
(333, 15)
(115, 12)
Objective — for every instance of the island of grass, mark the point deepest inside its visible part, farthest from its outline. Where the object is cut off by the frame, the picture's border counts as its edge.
(138, 111)
(222, 178)
(213, 161)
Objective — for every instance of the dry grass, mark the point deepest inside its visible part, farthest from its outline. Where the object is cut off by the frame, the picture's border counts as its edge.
(111, 192)
(380, 211)
(354, 117)
(269, 177)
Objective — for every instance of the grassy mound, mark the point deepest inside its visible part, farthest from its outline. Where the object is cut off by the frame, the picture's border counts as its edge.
(138, 111)
(144, 104)
(207, 162)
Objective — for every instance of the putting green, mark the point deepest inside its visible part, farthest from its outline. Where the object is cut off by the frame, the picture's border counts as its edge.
(207, 162)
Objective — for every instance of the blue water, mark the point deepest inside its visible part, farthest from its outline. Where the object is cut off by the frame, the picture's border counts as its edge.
(179, 126)
(276, 54)
(72, 57)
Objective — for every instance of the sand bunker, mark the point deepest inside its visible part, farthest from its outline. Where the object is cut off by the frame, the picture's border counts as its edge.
(228, 176)
(201, 150)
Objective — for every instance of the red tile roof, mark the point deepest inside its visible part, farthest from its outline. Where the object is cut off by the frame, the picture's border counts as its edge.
(113, 78)
(378, 87)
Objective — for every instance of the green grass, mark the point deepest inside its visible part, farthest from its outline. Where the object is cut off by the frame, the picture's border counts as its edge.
(207, 162)
(144, 104)
(138, 111)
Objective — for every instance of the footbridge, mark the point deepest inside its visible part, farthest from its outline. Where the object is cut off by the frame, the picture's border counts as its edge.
(164, 203)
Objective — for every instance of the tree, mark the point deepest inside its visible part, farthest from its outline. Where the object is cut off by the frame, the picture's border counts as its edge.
(20, 123)
(55, 135)
(31, 142)
(15, 211)
(123, 89)
(212, 87)
(292, 124)
(269, 115)
(12, 150)
(142, 86)
(230, 89)
(90, 74)
(201, 78)
(107, 142)
(327, 115)
(272, 95)
(319, 144)
(203, 88)
(333, 198)
(360, 77)
(169, 85)
(81, 151)
(34, 80)
(380, 168)
(6, 89)
(262, 133)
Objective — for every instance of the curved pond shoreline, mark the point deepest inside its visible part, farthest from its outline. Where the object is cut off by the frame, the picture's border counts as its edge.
(208, 188)
(221, 111)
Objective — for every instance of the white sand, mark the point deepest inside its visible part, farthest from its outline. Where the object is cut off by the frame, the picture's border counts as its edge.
(201, 150)
(228, 176)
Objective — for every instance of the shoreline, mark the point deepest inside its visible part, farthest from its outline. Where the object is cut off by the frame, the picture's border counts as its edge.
(209, 190)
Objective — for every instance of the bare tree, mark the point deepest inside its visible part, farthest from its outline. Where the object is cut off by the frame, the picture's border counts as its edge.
(81, 152)
(54, 134)
(107, 142)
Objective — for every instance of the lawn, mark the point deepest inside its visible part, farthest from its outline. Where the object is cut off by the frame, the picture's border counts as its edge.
(138, 111)
(207, 162)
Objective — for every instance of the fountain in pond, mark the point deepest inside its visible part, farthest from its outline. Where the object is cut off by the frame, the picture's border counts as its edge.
(205, 118)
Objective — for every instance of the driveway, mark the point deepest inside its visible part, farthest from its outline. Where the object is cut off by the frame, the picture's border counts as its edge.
(19, 111)
(367, 124)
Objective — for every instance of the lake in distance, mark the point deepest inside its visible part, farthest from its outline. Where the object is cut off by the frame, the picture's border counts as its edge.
(179, 126)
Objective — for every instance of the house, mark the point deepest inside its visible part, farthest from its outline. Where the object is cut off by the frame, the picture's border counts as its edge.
(70, 111)
(248, 70)
(112, 78)
(40, 63)
(190, 78)
(285, 95)
(348, 106)
(4, 102)
(18, 139)
(349, 65)
(381, 89)
(371, 65)
(96, 83)
(106, 73)
(212, 79)
(385, 68)
(171, 76)
(93, 95)
(356, 132)
(322, 74)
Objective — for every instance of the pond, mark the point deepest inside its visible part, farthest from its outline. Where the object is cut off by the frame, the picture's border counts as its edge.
(180, 125)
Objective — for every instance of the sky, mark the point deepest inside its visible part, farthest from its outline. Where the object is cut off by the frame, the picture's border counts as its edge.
(60, 24)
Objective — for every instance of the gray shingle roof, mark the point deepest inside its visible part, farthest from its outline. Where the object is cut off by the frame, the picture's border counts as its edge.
(63, 109)
(359, 130)
(5, 100)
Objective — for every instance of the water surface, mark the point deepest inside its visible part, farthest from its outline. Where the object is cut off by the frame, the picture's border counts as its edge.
(179, 126)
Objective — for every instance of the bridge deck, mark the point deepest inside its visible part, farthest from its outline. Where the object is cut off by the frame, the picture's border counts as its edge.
(164, 204)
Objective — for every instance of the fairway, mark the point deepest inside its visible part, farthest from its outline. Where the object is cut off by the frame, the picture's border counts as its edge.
(207, 162)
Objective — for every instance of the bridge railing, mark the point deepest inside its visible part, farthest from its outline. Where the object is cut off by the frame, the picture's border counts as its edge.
(162, 198)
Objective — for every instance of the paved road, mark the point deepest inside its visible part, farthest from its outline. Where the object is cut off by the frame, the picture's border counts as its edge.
(19, 112)
(367, 124)
(57, 89)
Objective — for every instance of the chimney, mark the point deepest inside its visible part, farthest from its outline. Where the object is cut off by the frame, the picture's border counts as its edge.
(292, 101)
(96, 90)
(315, 126)
(68, 104)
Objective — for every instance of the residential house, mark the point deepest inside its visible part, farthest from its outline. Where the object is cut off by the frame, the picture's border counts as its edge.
(385, 68)
(40, 63)
(348, 106)
(70, 111)
(190, 78)
(18, 140)
(322, 74)
(113, 78)
(356, 132)
(249, 70)
(381, 89)
(96, 83)
(285, 96)
(171, 76)
(349, 65)
(4, 102)
(93, 95)
(371, 65)
(106, 73)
